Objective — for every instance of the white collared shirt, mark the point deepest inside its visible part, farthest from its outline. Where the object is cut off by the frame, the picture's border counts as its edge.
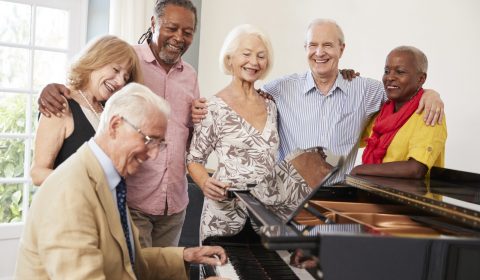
(113, 178)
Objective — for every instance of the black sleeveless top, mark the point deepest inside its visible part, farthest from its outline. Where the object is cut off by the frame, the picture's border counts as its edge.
(82, 132)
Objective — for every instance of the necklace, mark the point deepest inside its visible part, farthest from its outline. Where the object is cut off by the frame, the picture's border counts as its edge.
(90, 105)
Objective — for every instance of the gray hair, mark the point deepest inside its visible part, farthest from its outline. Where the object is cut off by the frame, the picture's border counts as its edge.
(159, 8)
(132, 102)
(232, 41)
(321, 21)
(421, 60)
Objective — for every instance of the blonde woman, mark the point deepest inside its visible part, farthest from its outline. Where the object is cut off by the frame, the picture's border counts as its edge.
(104, 67)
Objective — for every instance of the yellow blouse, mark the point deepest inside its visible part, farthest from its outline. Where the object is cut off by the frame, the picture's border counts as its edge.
(425, 144)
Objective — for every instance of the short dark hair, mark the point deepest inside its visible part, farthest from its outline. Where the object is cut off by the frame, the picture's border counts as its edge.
(160, 5)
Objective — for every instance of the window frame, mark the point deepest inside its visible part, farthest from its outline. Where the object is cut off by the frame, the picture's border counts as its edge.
(77, 34)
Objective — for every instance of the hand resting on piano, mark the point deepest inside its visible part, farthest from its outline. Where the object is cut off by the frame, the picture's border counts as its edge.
(300, 260)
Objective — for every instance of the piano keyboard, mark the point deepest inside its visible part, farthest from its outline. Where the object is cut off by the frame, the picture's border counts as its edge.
(255, 262)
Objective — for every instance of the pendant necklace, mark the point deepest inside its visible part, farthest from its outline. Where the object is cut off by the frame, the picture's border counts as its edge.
(90, 105)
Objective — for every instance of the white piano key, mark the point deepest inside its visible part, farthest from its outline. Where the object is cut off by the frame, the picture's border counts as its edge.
(227, 271)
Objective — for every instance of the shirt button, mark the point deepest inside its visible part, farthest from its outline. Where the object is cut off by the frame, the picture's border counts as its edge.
(429, 149)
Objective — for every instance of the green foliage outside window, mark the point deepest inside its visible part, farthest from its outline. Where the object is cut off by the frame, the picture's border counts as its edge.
(10, 203)
(12, 151)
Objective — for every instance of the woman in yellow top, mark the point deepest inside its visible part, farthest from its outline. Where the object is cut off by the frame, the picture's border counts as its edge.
(400, 143)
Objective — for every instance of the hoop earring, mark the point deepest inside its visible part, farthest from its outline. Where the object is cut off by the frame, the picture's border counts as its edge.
(146, 36)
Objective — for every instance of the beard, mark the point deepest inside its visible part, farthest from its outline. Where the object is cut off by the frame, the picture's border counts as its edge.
(170, 57)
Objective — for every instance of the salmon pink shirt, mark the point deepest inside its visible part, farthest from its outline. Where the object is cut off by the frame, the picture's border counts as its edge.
(163, 179)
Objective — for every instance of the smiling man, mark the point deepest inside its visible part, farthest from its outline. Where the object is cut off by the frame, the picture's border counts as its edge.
(321, 108)
(79, 227)
(158, 194)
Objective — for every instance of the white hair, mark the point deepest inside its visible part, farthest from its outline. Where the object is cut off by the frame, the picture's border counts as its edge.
(133, 102)
(321, 21)
(421, 60)
(232, 41)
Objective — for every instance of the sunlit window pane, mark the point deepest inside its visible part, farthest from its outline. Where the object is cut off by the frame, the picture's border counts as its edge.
(51, 28)
(12, 112)
(14, 71)
(14, 22)
(34, 113)
(12, 155)
(48, 67)
(11, 203)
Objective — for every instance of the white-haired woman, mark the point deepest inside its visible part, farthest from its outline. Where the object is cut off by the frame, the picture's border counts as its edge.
(241, 128)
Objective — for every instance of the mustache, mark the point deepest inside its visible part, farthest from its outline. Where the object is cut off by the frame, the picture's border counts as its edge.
(176, 44)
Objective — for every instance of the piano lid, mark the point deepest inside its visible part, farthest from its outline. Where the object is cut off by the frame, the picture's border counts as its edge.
(449, 193)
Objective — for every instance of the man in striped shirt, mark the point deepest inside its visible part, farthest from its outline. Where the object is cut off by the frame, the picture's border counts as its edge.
(321, 108)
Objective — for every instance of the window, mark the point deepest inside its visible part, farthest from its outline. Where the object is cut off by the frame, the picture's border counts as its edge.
(37, 40)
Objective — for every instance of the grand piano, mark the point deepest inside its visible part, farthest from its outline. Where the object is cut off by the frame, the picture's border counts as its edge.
(379, 228)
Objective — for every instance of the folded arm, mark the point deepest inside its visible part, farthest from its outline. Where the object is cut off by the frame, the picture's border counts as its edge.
(399, 169)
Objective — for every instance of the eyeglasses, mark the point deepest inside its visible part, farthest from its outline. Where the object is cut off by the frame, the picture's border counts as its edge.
(150, 142)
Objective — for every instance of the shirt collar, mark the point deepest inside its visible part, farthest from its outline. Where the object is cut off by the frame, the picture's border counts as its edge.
(147, 55)
(309, 83)
(113, 177)
(339, 83)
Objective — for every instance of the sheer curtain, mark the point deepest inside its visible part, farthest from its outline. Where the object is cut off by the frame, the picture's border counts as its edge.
(129, 19)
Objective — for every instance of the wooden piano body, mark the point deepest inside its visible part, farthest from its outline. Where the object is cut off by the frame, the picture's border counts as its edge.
(382, 228)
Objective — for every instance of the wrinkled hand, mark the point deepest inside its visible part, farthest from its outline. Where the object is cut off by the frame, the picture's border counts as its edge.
(298, 259)
(211, 255)
(349, 74)
(264, 94)
(52, 100)
(199, 109)
(432, 104)
(214, 189)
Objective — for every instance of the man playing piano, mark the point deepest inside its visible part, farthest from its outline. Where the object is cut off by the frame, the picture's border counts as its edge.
(79, 226)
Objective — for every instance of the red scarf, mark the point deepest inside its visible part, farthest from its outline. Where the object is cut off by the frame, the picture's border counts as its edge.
(386, 127)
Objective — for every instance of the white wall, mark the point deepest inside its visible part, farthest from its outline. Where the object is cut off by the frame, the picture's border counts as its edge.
(447, 31)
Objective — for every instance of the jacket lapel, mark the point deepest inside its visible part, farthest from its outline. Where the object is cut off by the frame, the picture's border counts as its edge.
(109, 207)
(140, 264)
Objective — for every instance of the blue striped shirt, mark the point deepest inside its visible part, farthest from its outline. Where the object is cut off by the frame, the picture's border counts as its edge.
(335, 121)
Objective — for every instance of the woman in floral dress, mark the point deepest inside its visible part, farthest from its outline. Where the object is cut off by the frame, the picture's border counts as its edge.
(241, 128)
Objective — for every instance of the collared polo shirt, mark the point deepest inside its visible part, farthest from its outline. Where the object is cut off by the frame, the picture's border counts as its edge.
(335, 120)
(163, 179)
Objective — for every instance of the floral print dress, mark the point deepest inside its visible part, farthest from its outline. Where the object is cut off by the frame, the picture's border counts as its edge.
(245, 156)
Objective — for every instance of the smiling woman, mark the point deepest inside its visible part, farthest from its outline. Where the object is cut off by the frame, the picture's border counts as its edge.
(241, 127)
(105, 66)
(400, 143)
